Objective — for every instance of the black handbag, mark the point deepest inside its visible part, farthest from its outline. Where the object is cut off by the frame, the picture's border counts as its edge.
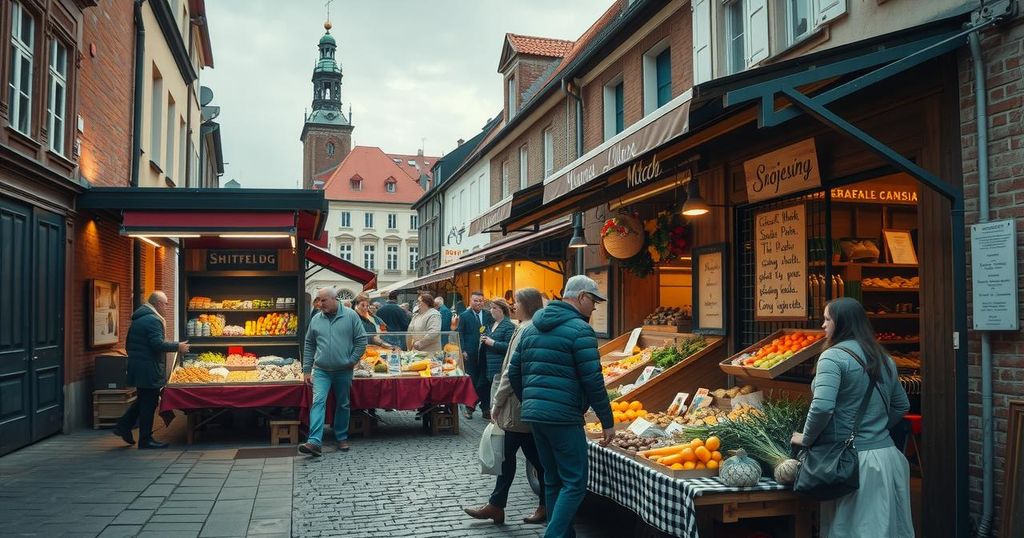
(831, 471)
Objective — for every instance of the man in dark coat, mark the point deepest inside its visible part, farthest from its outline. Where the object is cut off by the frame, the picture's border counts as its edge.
(396, 318)
(446, 317)
(146, 369)
(472, 322)
(556, 373)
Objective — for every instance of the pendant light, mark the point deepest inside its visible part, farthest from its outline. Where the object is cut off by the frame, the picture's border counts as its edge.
(695, 206)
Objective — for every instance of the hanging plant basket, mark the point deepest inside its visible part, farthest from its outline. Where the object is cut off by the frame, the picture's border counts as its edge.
(622, 236)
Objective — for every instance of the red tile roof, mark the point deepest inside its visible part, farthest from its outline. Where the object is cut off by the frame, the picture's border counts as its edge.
(376, 169)
(539, 46)
(422, 164)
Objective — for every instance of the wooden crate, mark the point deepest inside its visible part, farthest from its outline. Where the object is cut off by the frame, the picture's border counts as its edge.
(698, 370)
(674, 473)
(108, 405)
(808, 352)
(613, 351)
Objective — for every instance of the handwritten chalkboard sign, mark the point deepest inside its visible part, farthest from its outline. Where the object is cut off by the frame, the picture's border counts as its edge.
(709, 299)
(780, 258)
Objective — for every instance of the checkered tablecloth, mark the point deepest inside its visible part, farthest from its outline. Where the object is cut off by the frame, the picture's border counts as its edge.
(662, 501)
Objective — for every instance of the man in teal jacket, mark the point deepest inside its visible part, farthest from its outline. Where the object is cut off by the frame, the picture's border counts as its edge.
(335, 341)
(556, 373)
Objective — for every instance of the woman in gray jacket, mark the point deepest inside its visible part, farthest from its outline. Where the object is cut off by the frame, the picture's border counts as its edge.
(505, 413)
(854, 358)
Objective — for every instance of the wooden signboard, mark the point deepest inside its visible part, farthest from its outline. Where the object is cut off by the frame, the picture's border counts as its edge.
(709, 299)
(600, 319)
(900, 246)
(1013, 477)
(793, 168)
(780, 264)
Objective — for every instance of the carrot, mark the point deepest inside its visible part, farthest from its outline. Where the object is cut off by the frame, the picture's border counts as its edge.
(669, 460)
(664, 451)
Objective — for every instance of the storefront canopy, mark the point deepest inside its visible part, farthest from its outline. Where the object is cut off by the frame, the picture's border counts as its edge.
(445, 273)
(345, 268)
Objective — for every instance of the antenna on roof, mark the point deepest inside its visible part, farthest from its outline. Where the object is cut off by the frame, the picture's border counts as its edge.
(327, 5)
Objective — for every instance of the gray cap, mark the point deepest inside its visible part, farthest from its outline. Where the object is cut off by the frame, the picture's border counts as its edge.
(582, 284)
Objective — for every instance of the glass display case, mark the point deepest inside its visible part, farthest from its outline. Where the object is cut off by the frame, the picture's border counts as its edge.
(412, 354)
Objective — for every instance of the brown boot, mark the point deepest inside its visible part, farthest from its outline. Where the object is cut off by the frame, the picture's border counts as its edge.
(489, 511)
(539, 516)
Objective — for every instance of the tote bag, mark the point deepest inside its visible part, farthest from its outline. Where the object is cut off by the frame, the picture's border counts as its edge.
(492, 450)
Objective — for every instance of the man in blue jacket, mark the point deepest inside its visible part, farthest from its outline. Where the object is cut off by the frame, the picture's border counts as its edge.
(556, 373)
(335, 342)
(472, 322)
(446, 317)
(396, 318)
(147, 371)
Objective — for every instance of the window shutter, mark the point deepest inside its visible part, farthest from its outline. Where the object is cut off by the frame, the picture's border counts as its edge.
(826, 10)
(757, 31)
(701, 41)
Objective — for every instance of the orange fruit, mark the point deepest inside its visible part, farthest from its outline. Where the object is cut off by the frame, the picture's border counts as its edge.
(700, 465)
(641, 413)
(618, 406)
(689, 466)
(702, 453)
(636, 406)
(617, 415)
(630, 414)
(677, 466)
(696, 443)
(712, 464)
(689, 455)
(713, 443)
(716, 456)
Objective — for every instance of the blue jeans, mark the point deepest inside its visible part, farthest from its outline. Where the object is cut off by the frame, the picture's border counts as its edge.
(324, 382)
(563, 454)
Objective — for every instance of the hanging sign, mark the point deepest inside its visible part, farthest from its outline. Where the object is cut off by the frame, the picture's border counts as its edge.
(780, 264)
(791, 169)
(241, 260)
(450, 255)
(994, 276)
(709, 289)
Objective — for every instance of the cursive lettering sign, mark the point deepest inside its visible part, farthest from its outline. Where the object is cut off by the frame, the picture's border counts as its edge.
(639, 173)
(780, 264)
(793, 168)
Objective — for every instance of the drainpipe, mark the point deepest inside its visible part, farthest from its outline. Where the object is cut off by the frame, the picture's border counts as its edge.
(140, 53)
(577, 218)
(988, 432)
(193, 21)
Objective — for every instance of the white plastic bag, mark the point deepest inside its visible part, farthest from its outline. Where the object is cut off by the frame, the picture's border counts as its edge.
(492, 450)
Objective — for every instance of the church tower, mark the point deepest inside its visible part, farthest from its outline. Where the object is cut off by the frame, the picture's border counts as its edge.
(327, 133)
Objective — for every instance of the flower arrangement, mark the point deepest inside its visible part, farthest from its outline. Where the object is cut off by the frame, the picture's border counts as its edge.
(665, 239)
(616, 226)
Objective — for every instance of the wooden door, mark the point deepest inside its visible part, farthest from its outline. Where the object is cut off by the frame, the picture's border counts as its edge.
(15, 347)
(47, 325)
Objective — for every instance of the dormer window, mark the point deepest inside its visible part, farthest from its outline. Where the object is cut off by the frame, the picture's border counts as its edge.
(357, 183)
(391, 185)
(511, 96)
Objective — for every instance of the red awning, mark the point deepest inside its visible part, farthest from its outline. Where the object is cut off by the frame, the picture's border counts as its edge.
(163, 222)
(347, 269)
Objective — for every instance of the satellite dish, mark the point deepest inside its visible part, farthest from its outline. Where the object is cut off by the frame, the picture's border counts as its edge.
(205, 95)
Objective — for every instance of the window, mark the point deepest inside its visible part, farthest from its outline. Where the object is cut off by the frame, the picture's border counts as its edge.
(735, 51)
(182, 151)
(474, 199)
(345, 252)
(391, 185)
(367, 220)
(524, 174)
(20, 95)
(392, 221)
(414, 257)
(549, 153)
(356, 183)
(346, 219)
(58, 95)
(657, 77)
(172, 127)
(330, 149)
(414, 222)
(511, 92)
(614, 108)
(701, 24)
(369, 256)
(504, 180)
(392, 257)
(156, 114)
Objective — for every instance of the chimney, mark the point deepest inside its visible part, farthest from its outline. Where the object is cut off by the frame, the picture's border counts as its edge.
(460, 142)
(419, 152)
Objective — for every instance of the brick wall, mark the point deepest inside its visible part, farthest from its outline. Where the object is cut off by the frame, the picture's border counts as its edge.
(1002, 50)
(314, 151)
(533, 137)
(677, 29)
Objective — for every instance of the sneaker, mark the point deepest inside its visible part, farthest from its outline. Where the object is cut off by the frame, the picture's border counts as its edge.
(311, 449)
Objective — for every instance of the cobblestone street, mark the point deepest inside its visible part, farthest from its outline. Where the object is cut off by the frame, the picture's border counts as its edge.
(398, 482)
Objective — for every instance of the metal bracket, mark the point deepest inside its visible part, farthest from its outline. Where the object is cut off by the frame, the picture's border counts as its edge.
(995, 10)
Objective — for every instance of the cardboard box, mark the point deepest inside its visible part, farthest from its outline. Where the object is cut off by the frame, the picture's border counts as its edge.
(111, 371)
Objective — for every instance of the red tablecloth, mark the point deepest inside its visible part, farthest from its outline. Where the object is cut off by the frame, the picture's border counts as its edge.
(367, 393)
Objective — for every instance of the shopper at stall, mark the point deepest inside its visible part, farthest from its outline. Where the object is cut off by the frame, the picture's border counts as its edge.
(493, 345)
(371, 324)
(396, 318)
(471, 325)
(335, 341)
(425, 327)
(446, 317)
(556, 373)
(854, 359)
(147, 370)
(505, 412)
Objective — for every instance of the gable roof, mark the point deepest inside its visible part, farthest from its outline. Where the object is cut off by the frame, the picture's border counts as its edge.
(421, 164)
(526, 45)
(375, 169)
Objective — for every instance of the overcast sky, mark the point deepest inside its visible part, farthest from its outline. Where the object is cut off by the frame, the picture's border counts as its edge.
(417, 72)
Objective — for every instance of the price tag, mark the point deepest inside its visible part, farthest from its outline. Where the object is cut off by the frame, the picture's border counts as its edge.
(639, 426)
(674, 427)
(634, 337)
(678, 404)
(648, 373)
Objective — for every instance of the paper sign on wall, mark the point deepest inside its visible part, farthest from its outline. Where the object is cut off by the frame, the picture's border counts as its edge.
(780, 259)
(994, 276)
